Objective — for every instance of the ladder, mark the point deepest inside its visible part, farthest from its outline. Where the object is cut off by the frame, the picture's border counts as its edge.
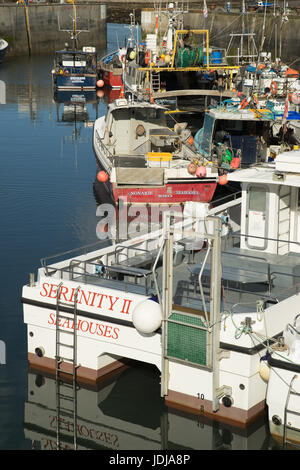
(293, 412)
(155, 81)
(66, 393)
(212, 347)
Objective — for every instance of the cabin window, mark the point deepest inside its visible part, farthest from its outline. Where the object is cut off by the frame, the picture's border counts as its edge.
(257, 199)
(207, 133)
(155, 116)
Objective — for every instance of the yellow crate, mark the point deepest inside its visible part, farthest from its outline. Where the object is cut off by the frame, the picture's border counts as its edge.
(159, 156)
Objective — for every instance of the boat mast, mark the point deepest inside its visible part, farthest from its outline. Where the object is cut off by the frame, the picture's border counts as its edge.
(74, 32)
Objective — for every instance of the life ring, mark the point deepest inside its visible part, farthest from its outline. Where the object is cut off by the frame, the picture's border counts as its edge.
(273, 88)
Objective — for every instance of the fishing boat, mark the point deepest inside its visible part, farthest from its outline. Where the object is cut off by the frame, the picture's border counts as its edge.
(204, 298)
(75, 69)
(143, 160)
(111, 70)
(175, 58)
(3, 48)
(112, 65)
(240, 133)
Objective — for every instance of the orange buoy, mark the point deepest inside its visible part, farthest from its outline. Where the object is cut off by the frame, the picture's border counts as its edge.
(201, 171)
(122, 92)
(102, 177)
(100, 93)
(191, 140)
(100, 83)
(223, 180)
(235, 163)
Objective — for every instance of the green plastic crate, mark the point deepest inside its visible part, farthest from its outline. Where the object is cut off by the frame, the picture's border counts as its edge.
(185, 341)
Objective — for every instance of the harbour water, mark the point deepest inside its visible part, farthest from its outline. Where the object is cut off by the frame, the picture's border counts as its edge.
(47, 206)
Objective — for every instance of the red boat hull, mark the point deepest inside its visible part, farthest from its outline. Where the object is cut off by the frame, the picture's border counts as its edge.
(200, 191)
(112, 79)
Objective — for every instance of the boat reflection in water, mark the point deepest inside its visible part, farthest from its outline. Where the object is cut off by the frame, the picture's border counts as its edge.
(75, 107)
(72, 105)
(104, 420)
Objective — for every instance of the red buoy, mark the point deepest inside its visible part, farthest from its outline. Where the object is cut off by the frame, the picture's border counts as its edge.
(223, 179)
(102, 177)
(201, 171)
(235, 163)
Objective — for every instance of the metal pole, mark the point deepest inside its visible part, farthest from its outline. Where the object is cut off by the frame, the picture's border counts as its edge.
(215, 305)
(166, 299)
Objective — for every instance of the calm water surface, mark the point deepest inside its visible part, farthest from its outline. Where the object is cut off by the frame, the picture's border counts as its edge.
(47, 206)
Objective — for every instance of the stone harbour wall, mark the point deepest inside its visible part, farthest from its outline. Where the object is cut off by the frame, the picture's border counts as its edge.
(47, 25)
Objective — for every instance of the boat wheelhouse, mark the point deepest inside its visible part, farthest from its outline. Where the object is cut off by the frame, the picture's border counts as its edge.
(252, 135)
(75, 69)
(147, 161)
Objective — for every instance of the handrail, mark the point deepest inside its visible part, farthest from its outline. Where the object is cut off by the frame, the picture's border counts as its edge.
(87, 276)
(200, 283)
(266, 238)
(220, 201)
(104, 148)
(84, 248)
(121, 247)
(153, 270)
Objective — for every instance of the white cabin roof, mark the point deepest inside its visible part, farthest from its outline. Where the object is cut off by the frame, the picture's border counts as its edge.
(124, 103)
(285, 171)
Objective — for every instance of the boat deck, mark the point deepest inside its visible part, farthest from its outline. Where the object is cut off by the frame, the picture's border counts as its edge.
(245, 278)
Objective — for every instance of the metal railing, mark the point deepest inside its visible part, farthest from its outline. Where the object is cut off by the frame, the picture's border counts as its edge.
(84, 249)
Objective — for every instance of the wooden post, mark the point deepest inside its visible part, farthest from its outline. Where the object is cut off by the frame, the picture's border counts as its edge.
(27, 25)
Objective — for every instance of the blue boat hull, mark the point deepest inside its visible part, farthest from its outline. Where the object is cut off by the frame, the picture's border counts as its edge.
(75, 82)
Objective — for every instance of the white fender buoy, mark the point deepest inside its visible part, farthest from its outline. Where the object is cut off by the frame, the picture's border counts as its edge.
(264, 370)
(147, 316)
